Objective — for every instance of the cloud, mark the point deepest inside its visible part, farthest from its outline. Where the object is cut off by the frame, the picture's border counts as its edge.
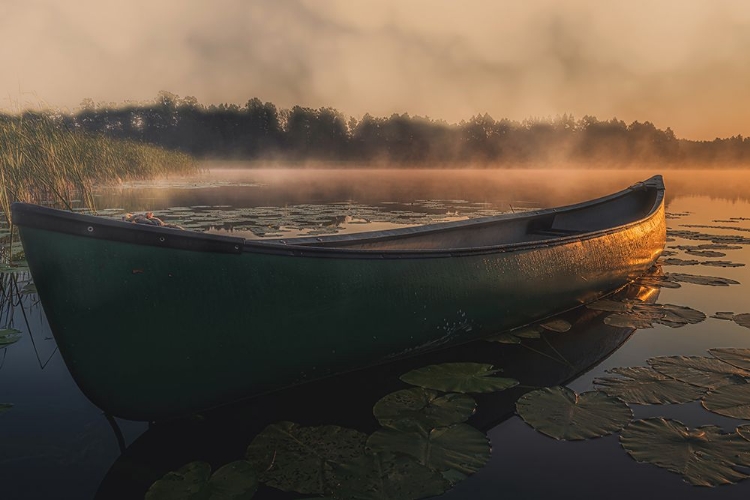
(678, 64)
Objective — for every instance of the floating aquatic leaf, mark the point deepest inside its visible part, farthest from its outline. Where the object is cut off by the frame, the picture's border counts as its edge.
(637, 314)
(9, 336)
(556, 325)
(234, 481)
(628, 321)
(726, 315)
(5, 407)
(702, 280)
(560, 413)
(295, 458)
(729, 400)
(742, 319)
(656, 281)
(529, 332)
(707, 246)
(705, 456)
(517, 336)
(424, 406)
(701, 371)
(705, 253)
(713, 238)
(387, 476)
(735, 356)
(459, 377)
(679, 262)
(504, 338)
(721, 263)
(733, 228)
(189, 482)
(642, 385)
(459, 447)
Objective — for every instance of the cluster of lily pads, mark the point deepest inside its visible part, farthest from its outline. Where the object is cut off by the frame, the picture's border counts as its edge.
(704, 456)
(422, 449)
(308, 219)
(708, 250)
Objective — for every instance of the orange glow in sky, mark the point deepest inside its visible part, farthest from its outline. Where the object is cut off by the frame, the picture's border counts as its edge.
(679, 64)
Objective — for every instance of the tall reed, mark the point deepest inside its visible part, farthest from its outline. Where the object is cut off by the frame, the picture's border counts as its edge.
(43, 162)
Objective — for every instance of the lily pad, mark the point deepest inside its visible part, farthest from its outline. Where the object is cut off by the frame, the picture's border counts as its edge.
(643, 385)
(729, 400)
(459, 447)
(725, 315)
(5, 407)
(387, 476)
(702, 280)
(459, 377)
(742, 319)
(9, 336)
(529, 332)
(424, 406)
(708, 246)
(188, 482)
(504, 338)
(556, 325)
(517, 336)
(637, 314)
(302, 459)
(234, 481)
(560, 413)
(700, 371)
(656, 281)
(705, 253)
(680, 262)
(705, 456)
(735, 356)
(721, 263)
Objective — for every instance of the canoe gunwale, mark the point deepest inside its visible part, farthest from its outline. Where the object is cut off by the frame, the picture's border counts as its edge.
(90, 226)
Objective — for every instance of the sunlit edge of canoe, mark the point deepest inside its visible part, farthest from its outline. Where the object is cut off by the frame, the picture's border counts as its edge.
(156, 323)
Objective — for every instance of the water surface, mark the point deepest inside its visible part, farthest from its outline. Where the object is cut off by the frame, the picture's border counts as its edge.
(56, 444)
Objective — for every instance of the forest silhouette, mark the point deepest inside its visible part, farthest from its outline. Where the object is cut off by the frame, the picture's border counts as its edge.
(260, 131)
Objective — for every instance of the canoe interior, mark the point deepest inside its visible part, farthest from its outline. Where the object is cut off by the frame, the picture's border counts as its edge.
(610, 212)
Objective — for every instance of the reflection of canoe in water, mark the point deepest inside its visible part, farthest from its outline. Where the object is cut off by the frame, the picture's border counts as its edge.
(155, 322)
(222, 435)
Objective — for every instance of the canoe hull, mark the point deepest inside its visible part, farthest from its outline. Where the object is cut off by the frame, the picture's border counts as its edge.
(154, 333)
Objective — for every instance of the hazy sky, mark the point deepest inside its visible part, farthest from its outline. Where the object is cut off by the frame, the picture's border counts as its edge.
(682, 64)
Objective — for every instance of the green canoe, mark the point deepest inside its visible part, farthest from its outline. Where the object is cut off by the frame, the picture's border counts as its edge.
(155, 323)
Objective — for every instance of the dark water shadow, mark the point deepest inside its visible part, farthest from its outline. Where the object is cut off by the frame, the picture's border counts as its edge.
(222, 435)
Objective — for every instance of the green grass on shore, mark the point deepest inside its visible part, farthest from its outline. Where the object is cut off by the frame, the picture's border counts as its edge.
(41, 162)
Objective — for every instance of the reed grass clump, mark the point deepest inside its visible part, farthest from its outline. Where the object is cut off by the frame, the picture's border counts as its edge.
(43, 162)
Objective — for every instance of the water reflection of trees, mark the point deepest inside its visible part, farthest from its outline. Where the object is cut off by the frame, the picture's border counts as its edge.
(260, 130)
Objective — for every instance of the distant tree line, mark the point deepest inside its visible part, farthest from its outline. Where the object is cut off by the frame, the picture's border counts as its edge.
(259, 130)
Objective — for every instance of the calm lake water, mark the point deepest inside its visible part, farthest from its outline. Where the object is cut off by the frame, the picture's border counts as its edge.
(55, 444)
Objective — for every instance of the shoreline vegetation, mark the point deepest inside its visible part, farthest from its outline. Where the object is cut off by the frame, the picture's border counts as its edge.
(301, 136)
(44, 162)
